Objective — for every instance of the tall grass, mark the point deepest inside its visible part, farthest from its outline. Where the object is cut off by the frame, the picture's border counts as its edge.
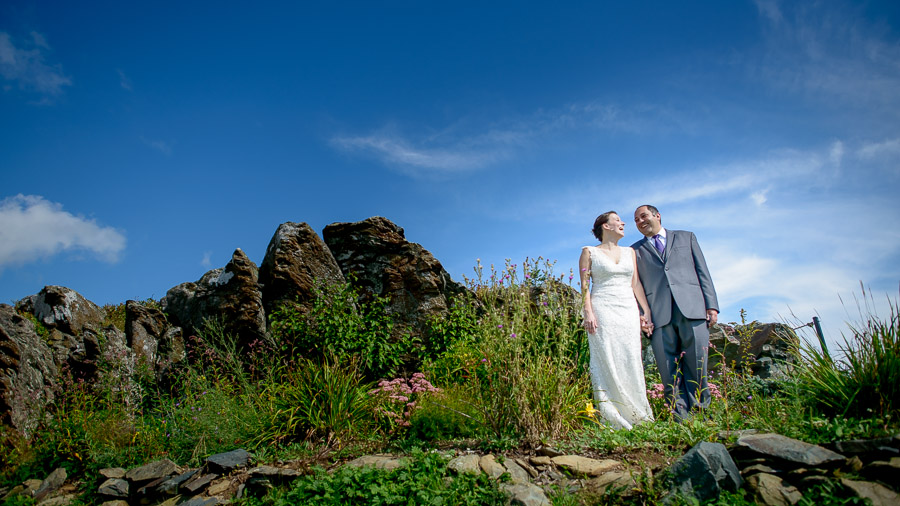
(865, 380)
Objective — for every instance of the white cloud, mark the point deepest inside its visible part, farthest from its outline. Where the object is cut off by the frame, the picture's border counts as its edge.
(32, 227)
(829, 49)
(27, 68)
(451, 151)
(878, 150)
(124, 81)
(207, 260)
(161, 146)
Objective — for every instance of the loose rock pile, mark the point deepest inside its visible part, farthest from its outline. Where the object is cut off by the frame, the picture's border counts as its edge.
(775, 469)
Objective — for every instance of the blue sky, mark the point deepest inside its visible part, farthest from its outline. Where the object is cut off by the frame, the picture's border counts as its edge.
(141, 144)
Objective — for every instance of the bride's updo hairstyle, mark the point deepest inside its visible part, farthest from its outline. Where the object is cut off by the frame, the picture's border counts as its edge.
(599, 222)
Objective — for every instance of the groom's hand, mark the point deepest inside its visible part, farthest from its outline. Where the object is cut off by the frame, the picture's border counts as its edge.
(712, 316)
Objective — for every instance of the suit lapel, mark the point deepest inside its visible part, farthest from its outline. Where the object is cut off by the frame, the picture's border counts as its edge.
(647, 244)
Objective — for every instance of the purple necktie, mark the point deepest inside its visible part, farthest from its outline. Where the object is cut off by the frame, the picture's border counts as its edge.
(657, 241)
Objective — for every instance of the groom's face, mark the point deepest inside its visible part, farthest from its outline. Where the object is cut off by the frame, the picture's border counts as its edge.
(647, 222)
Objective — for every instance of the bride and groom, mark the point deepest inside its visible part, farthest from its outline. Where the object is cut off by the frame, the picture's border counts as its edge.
(661, 286)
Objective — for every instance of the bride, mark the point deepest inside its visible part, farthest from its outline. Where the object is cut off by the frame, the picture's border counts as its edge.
(614, 325)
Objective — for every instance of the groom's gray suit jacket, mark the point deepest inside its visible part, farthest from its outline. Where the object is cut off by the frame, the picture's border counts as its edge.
(679, 274)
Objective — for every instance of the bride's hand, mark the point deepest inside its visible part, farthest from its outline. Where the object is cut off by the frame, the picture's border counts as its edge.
(590, 323)
(646, 325)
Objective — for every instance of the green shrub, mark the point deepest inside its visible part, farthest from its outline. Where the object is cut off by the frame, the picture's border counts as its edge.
(340, 325)
(308, 400)
(424, 480)
(521, 364)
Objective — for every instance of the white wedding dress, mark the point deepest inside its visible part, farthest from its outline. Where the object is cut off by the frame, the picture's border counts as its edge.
(617, 373)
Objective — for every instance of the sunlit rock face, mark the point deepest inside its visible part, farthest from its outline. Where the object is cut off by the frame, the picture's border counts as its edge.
(230, 294)
(27, 371)
(296, 262)
(375, 255)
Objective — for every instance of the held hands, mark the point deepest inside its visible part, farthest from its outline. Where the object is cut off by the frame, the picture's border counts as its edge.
(646, 325)
(712, 316)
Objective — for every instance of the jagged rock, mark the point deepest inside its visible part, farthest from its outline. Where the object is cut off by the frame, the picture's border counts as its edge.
(489, 465)
(885, 471)
(375, 253)
(885, 447)
(221, 489)
(199, 483)
(767, 348)
(224, 463)
(231, 295)
(114, 487)
(526, 494)
(200, 501)
(60, 500)
(541, 460)
(704, 471)
(170, 486)
(757, 468)
(149, 335)
(115, 502)
(50, 484)
(771, 490)
(296, 260)
(385, 462)
(878, 494)
(612, 479)
(577, 465)
(527, 467)
(112, 472)
(274, 472)
(787, 450)
(516, 472)
(64, 309)
(153, 471)
(27, 371)
(465, 464)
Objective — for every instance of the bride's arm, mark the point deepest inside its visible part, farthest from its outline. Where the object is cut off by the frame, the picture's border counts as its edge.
(584, 268)
(638, 290)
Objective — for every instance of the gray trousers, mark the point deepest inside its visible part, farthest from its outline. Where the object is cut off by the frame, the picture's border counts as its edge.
(681, 348)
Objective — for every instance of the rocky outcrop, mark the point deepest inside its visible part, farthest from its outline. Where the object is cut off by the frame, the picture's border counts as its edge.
(65, 310)
(376, 257)
(705, 471)
(296, 261)
(149, 335)
(767, 349)
(27, 371)
(231, 295)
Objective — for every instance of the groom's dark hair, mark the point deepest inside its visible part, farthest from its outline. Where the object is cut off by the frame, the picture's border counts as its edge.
(653, 210)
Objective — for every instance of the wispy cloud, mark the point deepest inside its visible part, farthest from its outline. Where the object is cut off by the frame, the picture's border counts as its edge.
(124, 81)
(25, 66)
(464, 148)
(32, 227)
(206, 261)
(161, 146)
(830, 49)
(880, 150)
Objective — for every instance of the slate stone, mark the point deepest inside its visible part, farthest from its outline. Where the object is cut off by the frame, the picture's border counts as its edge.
(882, 447)
(224, 463)
(527, 467)
(200, 501)
(884, 471)
(516, 472)
(488, 463)
(771, 490)
(704, 471)
(757, 468)
(465, 464)
(385, 462)
(50, 484)
(878, 494)
(112, 472)
(789, 450)
(577, 465)
(541, 460)
(199, 483)
(612, 479)
(152, 471)
(170, 486)
(274, 472)
(114, 487)
(526, 494)
(116, 502)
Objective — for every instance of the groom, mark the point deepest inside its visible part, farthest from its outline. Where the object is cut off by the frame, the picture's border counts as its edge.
(682, 304)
